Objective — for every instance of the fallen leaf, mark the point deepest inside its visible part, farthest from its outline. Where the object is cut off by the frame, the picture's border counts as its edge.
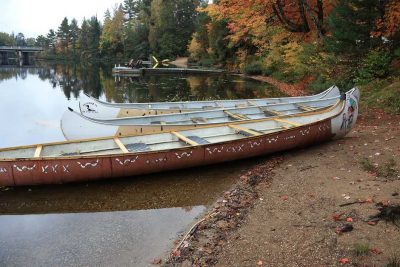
(376, 251)
(349, 219)
(369, 200)
(285, 197)
(371, 223)
(337, 217)
(259, 263)
(344, 261)
(176, 253)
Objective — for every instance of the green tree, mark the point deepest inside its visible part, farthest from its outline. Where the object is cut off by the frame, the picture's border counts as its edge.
(51, 38)
(63, 35)
(171, 26)
(74, 35)
(84, 39)
(20, 39)
(6, 39)
(351, 23)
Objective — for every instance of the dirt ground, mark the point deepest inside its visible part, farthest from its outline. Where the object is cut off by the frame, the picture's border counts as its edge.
(311, 208)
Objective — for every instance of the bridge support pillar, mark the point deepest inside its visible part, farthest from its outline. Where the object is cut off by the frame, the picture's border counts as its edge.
(3, 58)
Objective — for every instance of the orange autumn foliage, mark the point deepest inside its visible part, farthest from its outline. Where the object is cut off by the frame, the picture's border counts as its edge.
(390, 23)
(247, 19)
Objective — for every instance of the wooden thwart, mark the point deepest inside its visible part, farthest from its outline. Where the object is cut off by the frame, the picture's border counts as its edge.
(236, 116)
(287, 122)
(121, 145)
(185, 139)
(237, 127)
(38, 151)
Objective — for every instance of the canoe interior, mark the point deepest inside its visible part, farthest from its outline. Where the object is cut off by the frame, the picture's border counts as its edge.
(223, 116)
(165, 141)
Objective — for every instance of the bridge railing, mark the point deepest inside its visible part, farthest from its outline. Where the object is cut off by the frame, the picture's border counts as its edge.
(20, 48)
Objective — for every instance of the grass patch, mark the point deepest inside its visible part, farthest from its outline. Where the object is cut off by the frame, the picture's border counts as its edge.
(383, 94)
(361, 249)
(388, 170)
(366, 165)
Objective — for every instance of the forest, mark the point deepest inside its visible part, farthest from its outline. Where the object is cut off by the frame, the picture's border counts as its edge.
(308, 42)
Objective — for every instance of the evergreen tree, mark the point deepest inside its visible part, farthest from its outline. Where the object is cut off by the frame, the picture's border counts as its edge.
(63, 34)
(74, 35)
(51, 37)
(351, 23)
(83, 39)
(94, 37)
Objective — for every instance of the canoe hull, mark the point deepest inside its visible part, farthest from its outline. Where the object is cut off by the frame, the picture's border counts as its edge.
(55, 171)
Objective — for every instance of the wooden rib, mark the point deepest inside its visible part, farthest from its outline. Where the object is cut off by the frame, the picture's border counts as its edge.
(288, 122)
(305, 108)
(235, 116)
(253, 103)
(185, 139)
(240, 128)
(121, 145)
(275, 112)
(38, 151)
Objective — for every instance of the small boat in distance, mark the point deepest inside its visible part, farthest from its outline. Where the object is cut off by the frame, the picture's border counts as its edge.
(74, 125)
(109, 157)
(97, 109)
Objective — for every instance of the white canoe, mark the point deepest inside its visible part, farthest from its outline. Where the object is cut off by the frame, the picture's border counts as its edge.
(97, 109)
(74, 125)
(110, 157)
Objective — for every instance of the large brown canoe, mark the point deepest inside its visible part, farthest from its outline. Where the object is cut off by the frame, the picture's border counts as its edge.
(110, 157)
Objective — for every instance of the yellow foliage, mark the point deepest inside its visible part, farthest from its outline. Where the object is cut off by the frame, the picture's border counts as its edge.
(195, 49)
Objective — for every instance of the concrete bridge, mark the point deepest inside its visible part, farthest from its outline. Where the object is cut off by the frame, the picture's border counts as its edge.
(22, 53)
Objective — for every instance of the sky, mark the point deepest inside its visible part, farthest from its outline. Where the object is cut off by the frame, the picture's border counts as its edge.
(36, 17)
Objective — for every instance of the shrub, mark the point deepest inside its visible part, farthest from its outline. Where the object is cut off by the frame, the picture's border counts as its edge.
(375, 65)
(254, 68)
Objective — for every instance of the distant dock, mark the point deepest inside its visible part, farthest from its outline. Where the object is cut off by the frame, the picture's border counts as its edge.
(144, 71)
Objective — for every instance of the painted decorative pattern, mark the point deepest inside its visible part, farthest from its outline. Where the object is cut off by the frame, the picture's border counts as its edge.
(184, 154)
(3, 170)
(305, 131)
(88, 164)
(272, 139)
(290, 137)
(215, 150)
(127, 161)
(54, 168)
(323, 128)
(24, 168)
(235, 149)
(156, 161)
(254, 144)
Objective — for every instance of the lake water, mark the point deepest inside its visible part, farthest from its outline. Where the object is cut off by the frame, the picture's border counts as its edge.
(128, 221)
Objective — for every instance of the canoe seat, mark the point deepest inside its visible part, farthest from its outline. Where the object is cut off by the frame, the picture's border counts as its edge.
(198, 139)
(137, 147)
(199, 120)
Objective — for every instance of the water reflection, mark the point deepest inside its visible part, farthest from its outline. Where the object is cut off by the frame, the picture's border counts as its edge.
(33, 99)
(130, 238)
